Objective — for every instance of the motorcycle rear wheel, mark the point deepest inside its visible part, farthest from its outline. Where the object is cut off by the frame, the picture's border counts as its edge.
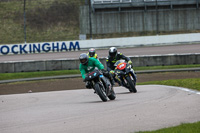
(131, 84)
(101, 92)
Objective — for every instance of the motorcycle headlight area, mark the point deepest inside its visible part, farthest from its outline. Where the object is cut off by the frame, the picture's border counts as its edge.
(100, 76)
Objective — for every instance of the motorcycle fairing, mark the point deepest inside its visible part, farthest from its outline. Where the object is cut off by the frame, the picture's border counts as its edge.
(121, 66)
(92, 75)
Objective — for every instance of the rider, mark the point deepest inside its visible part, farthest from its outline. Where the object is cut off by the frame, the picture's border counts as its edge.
(92, 53)
(113, 57)
(89, 64)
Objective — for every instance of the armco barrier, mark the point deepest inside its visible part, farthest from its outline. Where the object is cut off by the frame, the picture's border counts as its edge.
(48, 65)
(163, 60)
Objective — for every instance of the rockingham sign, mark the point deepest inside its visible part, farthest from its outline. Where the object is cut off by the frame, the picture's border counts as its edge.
(63, 46)
(39, 47)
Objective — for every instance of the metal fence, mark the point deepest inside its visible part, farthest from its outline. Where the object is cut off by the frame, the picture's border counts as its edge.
(140, 17)
(39, 20)
(142, 22)
(142, 4)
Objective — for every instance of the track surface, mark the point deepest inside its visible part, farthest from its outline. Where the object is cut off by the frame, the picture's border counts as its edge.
(81, 111)
(132, 51)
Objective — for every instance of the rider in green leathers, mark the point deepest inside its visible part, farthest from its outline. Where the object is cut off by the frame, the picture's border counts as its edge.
(89, 64)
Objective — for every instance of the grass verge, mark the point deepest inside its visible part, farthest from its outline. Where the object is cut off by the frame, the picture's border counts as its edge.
(183, 128)
(165, 67)
(193, 83)
(7, 76)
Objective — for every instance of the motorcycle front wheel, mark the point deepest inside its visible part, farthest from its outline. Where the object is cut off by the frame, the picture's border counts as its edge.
(100, 90)
(131, 84)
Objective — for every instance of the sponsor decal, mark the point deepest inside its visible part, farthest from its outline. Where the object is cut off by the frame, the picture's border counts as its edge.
(91, 73)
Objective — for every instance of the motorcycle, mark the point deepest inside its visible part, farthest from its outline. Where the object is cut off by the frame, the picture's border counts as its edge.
(125, 74)
(101, 85)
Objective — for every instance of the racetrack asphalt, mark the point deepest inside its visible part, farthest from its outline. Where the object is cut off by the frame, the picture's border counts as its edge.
(82, 111)
(75, 111)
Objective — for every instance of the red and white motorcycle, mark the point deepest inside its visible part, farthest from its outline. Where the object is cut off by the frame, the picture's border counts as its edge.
(125, 74)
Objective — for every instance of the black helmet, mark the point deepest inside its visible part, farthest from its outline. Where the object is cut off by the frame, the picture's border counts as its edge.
(113, 52)
(83, 58)
(91, 52)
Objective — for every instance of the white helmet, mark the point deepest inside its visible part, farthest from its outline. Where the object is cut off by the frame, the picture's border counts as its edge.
(113, 52)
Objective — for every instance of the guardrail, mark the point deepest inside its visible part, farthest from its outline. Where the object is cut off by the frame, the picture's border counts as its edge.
(129, 3)
(110, 1)
(145, 1)
(141, 5)
(72, 64)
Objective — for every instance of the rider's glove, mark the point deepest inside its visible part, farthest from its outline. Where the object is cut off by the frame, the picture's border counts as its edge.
(112, 72)
(130, 62)
(103, 70)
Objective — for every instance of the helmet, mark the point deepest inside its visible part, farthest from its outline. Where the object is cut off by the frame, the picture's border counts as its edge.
(83, 58)
(91, 52)
(113, 52)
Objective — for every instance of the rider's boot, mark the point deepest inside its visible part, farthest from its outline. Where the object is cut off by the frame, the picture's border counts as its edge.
(112, 81)
(119, 82)
(135, 77)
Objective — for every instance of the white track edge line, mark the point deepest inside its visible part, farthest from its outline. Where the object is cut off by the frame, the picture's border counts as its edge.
(184, 89)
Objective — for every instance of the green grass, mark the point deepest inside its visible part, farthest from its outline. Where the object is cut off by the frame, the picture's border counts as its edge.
(193, 83)
(45, 21)
(183, 128)
(165, 67)
(6, 76)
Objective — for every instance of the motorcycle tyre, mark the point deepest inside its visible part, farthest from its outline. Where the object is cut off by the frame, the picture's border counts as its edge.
(112, 96)
(100, 92)
(131, 84)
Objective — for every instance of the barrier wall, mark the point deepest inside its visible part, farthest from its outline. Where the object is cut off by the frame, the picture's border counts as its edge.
(48, 65)
(64, 46)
